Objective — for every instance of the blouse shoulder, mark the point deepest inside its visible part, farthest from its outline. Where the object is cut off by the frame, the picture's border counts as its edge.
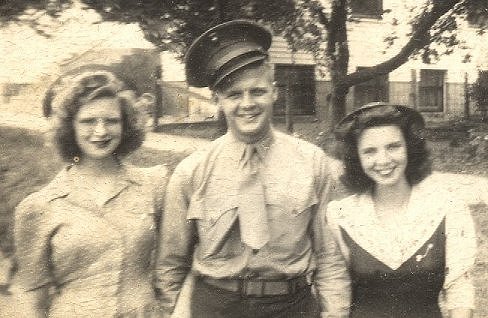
(154, 179)
(36, 203)
(436, 190)
(338, 210)
(148, 176)
(31, 208)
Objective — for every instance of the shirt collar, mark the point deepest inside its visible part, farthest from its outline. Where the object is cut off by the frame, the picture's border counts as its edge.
(61, 185)
(262, 146)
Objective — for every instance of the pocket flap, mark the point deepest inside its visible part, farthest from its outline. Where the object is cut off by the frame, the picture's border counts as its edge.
(295, 202)
(195, 208)
(209, 208)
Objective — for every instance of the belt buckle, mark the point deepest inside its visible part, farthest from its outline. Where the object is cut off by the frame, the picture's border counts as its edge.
(252, 288)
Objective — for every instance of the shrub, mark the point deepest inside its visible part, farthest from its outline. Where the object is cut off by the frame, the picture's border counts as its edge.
(479, 92)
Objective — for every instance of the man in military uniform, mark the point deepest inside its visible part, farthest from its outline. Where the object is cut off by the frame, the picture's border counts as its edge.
(246, 215)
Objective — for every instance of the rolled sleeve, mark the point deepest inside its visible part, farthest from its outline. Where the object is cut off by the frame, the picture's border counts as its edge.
(175, 241)
(332, 280)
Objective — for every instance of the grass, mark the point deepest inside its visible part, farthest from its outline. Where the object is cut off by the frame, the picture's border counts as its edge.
(26, 164)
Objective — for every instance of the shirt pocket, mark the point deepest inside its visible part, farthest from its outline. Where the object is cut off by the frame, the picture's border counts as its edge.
(212, 209)
(294, 204)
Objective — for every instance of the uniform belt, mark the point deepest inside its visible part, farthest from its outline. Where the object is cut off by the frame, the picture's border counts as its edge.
(258, 287)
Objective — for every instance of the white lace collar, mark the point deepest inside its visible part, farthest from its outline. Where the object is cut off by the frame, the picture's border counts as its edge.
(393, 247)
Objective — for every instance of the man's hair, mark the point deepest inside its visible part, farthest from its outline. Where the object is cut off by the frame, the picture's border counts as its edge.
(419, 164)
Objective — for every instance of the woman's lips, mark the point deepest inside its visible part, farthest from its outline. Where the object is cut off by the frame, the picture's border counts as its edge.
(101, 143)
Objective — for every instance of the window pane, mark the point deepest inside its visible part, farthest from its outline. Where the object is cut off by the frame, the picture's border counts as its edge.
(367, 7)
(296, 85)
(374, 90)
(431, 90)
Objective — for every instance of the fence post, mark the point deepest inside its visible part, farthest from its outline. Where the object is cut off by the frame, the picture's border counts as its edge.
(288, 115)
(158, 105)
(413, 88)
(466, 96)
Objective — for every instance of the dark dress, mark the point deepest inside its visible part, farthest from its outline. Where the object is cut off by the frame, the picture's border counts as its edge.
(410, 291)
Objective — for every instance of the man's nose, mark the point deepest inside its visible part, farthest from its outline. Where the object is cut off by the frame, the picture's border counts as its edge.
(247, 100)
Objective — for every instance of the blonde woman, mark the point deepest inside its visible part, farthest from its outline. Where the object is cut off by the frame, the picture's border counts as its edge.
(85, 243)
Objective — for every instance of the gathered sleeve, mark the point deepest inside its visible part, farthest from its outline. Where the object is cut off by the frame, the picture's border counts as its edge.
(460, 256)
(32, 235)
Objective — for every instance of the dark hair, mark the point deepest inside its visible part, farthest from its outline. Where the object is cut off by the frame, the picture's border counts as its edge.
(419, 164)
(87, 87)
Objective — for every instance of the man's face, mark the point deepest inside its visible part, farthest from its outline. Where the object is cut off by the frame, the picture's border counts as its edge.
(247, 102)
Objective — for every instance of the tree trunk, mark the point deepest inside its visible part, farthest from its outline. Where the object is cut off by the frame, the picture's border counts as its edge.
(337, 106)
(337, 55)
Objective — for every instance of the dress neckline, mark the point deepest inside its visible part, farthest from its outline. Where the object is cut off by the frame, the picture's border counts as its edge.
(393, 246)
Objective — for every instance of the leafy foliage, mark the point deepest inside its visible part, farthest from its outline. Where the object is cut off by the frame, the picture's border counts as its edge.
(174, 24)
(479, 92)
(318, 26)
(31, 12)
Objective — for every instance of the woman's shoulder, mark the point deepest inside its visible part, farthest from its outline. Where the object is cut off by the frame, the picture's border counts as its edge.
(437, 189)
(35, 205)
(154, 177)
(58, 186)
(340, 209)
(146, 174)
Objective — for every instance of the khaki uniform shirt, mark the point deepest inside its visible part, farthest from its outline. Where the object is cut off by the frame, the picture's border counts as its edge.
(199, 231)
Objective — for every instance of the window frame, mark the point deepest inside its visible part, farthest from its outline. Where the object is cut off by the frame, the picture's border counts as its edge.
(375, 13)
(297, 108)
(377, 84)
(426, 90)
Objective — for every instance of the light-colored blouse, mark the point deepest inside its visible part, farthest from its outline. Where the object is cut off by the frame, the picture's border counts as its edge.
(430, 203)
(98, 259)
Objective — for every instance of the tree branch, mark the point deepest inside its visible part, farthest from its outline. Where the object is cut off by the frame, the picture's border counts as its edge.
(416, 41)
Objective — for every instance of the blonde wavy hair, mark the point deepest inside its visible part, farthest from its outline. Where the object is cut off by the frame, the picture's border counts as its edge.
(71, 91)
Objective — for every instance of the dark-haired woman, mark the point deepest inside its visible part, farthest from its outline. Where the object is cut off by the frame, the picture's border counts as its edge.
(406, 240)
(85, 242)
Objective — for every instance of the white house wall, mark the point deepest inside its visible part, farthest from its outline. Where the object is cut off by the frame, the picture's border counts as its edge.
(367, 46)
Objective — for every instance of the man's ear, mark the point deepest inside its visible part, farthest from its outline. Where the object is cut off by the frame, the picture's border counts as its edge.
(275, 92)
(215, 98)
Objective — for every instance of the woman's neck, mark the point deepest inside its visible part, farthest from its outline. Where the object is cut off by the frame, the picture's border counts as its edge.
(98, 167)
(391, 200)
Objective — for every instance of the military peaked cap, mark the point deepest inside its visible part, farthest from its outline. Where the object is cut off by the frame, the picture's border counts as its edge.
(225, 49)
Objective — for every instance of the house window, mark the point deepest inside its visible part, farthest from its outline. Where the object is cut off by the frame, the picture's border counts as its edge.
(374, 90)
(367, 8)
(431, 90)
(296, 86)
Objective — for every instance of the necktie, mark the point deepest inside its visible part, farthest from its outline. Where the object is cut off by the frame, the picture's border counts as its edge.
(253, 218)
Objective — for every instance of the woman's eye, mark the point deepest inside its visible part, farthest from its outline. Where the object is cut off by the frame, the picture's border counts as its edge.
(87, 121)
(368, 151)
(258, 92)
(394, 146)
(233, 95)
(112, 121)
